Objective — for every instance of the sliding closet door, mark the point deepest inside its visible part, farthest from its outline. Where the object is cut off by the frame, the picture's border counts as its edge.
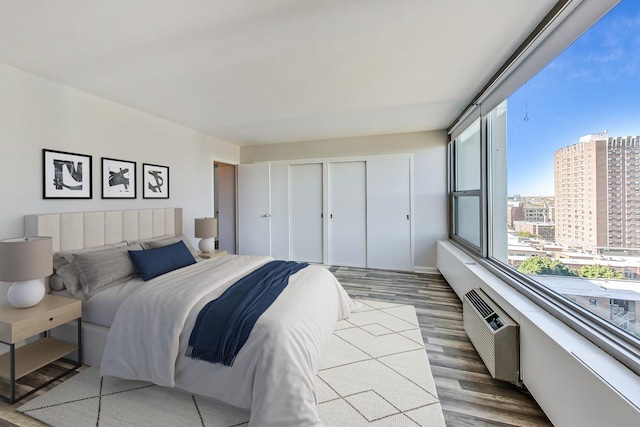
(388, 214)
(347, 214)
(305, 190)
(254, 225)
(279, 176)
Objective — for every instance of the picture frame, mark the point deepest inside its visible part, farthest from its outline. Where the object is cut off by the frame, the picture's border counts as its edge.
(66, 175)
(118, 179)
(155, 181)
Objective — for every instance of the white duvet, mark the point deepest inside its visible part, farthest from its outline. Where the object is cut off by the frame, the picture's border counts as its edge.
(274, 372)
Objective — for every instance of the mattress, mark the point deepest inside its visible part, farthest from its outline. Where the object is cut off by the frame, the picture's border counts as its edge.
(101, 308)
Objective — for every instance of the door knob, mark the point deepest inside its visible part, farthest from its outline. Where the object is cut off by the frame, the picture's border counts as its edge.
(266, 216)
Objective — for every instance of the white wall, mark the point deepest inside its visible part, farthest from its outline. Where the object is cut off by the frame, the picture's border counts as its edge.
(37, 113)
(574, 382)
(430, 185)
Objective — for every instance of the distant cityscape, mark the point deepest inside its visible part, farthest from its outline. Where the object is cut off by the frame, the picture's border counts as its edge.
(589, 228)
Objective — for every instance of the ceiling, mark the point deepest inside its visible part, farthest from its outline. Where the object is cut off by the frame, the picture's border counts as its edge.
(267, 71)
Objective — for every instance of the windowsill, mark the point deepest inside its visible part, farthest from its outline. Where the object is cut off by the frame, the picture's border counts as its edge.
(569, 376)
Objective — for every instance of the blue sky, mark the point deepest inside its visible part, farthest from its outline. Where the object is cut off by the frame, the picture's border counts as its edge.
(592, 86)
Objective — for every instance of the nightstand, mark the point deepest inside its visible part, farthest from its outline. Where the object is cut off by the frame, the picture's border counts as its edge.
(213, 254)
(18, 324)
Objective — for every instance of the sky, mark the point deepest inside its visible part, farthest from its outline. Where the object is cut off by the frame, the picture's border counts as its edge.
(592, 86)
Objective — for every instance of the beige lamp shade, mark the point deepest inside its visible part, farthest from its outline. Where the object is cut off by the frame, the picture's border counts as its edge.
(207, 231)
(26, 258)
(206, 228)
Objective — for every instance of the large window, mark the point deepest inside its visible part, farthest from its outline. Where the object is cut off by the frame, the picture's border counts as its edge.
(562, 159)
(466, 192)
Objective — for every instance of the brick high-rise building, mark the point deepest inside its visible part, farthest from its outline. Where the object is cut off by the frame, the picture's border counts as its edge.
(597, 194)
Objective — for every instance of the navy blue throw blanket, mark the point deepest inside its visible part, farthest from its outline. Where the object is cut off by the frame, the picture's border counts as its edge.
(224, 324)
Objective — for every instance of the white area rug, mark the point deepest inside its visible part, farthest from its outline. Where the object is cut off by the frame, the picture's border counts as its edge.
(374, 373)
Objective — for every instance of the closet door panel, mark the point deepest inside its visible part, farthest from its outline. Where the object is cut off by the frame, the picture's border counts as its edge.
(388, 214)
(305, 190)
(280, 211)
(347, 214)
(254, 225)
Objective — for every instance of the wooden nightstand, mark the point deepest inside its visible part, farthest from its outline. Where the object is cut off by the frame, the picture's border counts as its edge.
(17, 324)
(213, 254)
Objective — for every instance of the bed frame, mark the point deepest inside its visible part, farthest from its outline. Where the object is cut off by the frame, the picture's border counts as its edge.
(82, 230)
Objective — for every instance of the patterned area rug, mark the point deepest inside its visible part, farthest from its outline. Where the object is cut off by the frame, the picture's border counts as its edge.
(374, 373)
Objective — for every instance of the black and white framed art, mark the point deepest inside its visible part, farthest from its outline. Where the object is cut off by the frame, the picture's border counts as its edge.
(155, 181)
(118, 179)
(66, 175)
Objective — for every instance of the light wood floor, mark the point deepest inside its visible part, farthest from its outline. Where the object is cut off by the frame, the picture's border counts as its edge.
(468, 394)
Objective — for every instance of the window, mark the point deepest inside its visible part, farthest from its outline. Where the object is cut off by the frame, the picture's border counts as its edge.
(465, 197)
(530, 211)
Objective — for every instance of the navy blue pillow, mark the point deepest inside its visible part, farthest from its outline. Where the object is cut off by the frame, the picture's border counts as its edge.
(152, 263)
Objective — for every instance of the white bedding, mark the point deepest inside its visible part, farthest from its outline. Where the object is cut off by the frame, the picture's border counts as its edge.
(101, 308)
(273, 374)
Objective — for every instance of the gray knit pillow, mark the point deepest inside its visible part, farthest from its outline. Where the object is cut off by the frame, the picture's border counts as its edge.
(102, 269)
(69, 271)
(169, 240)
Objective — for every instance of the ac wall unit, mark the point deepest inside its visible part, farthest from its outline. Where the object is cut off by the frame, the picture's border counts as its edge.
(494, 335)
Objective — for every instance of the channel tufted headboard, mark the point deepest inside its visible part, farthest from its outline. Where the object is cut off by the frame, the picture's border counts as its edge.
(91, 229)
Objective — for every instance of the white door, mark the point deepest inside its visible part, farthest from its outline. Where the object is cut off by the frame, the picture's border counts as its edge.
(279, 175)
(347, 220)
(305, 190)
(388, 214)
(254, 225)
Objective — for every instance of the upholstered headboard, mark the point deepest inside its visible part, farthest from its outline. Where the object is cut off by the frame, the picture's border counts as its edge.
(91, 229)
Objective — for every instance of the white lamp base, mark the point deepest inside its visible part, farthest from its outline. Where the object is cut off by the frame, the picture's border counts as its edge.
(207, 245)
(25, 294)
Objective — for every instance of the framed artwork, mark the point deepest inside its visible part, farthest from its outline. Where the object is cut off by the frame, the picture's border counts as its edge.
(66, 175)
(155, 181)
(118, 179)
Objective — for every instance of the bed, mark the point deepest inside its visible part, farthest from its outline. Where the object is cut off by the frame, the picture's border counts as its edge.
(140, 330)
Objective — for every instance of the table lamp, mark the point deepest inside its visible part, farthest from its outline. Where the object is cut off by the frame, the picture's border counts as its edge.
(207, 230)
(25, 261)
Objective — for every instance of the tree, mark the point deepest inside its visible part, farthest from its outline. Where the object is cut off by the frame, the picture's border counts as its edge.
(599, 271)
(544, 265)
(527, 234)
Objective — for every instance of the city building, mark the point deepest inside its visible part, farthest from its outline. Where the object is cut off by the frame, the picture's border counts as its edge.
(597, 184)
(532, 209)
(614, 300)
(515, 212)
(545, 230)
